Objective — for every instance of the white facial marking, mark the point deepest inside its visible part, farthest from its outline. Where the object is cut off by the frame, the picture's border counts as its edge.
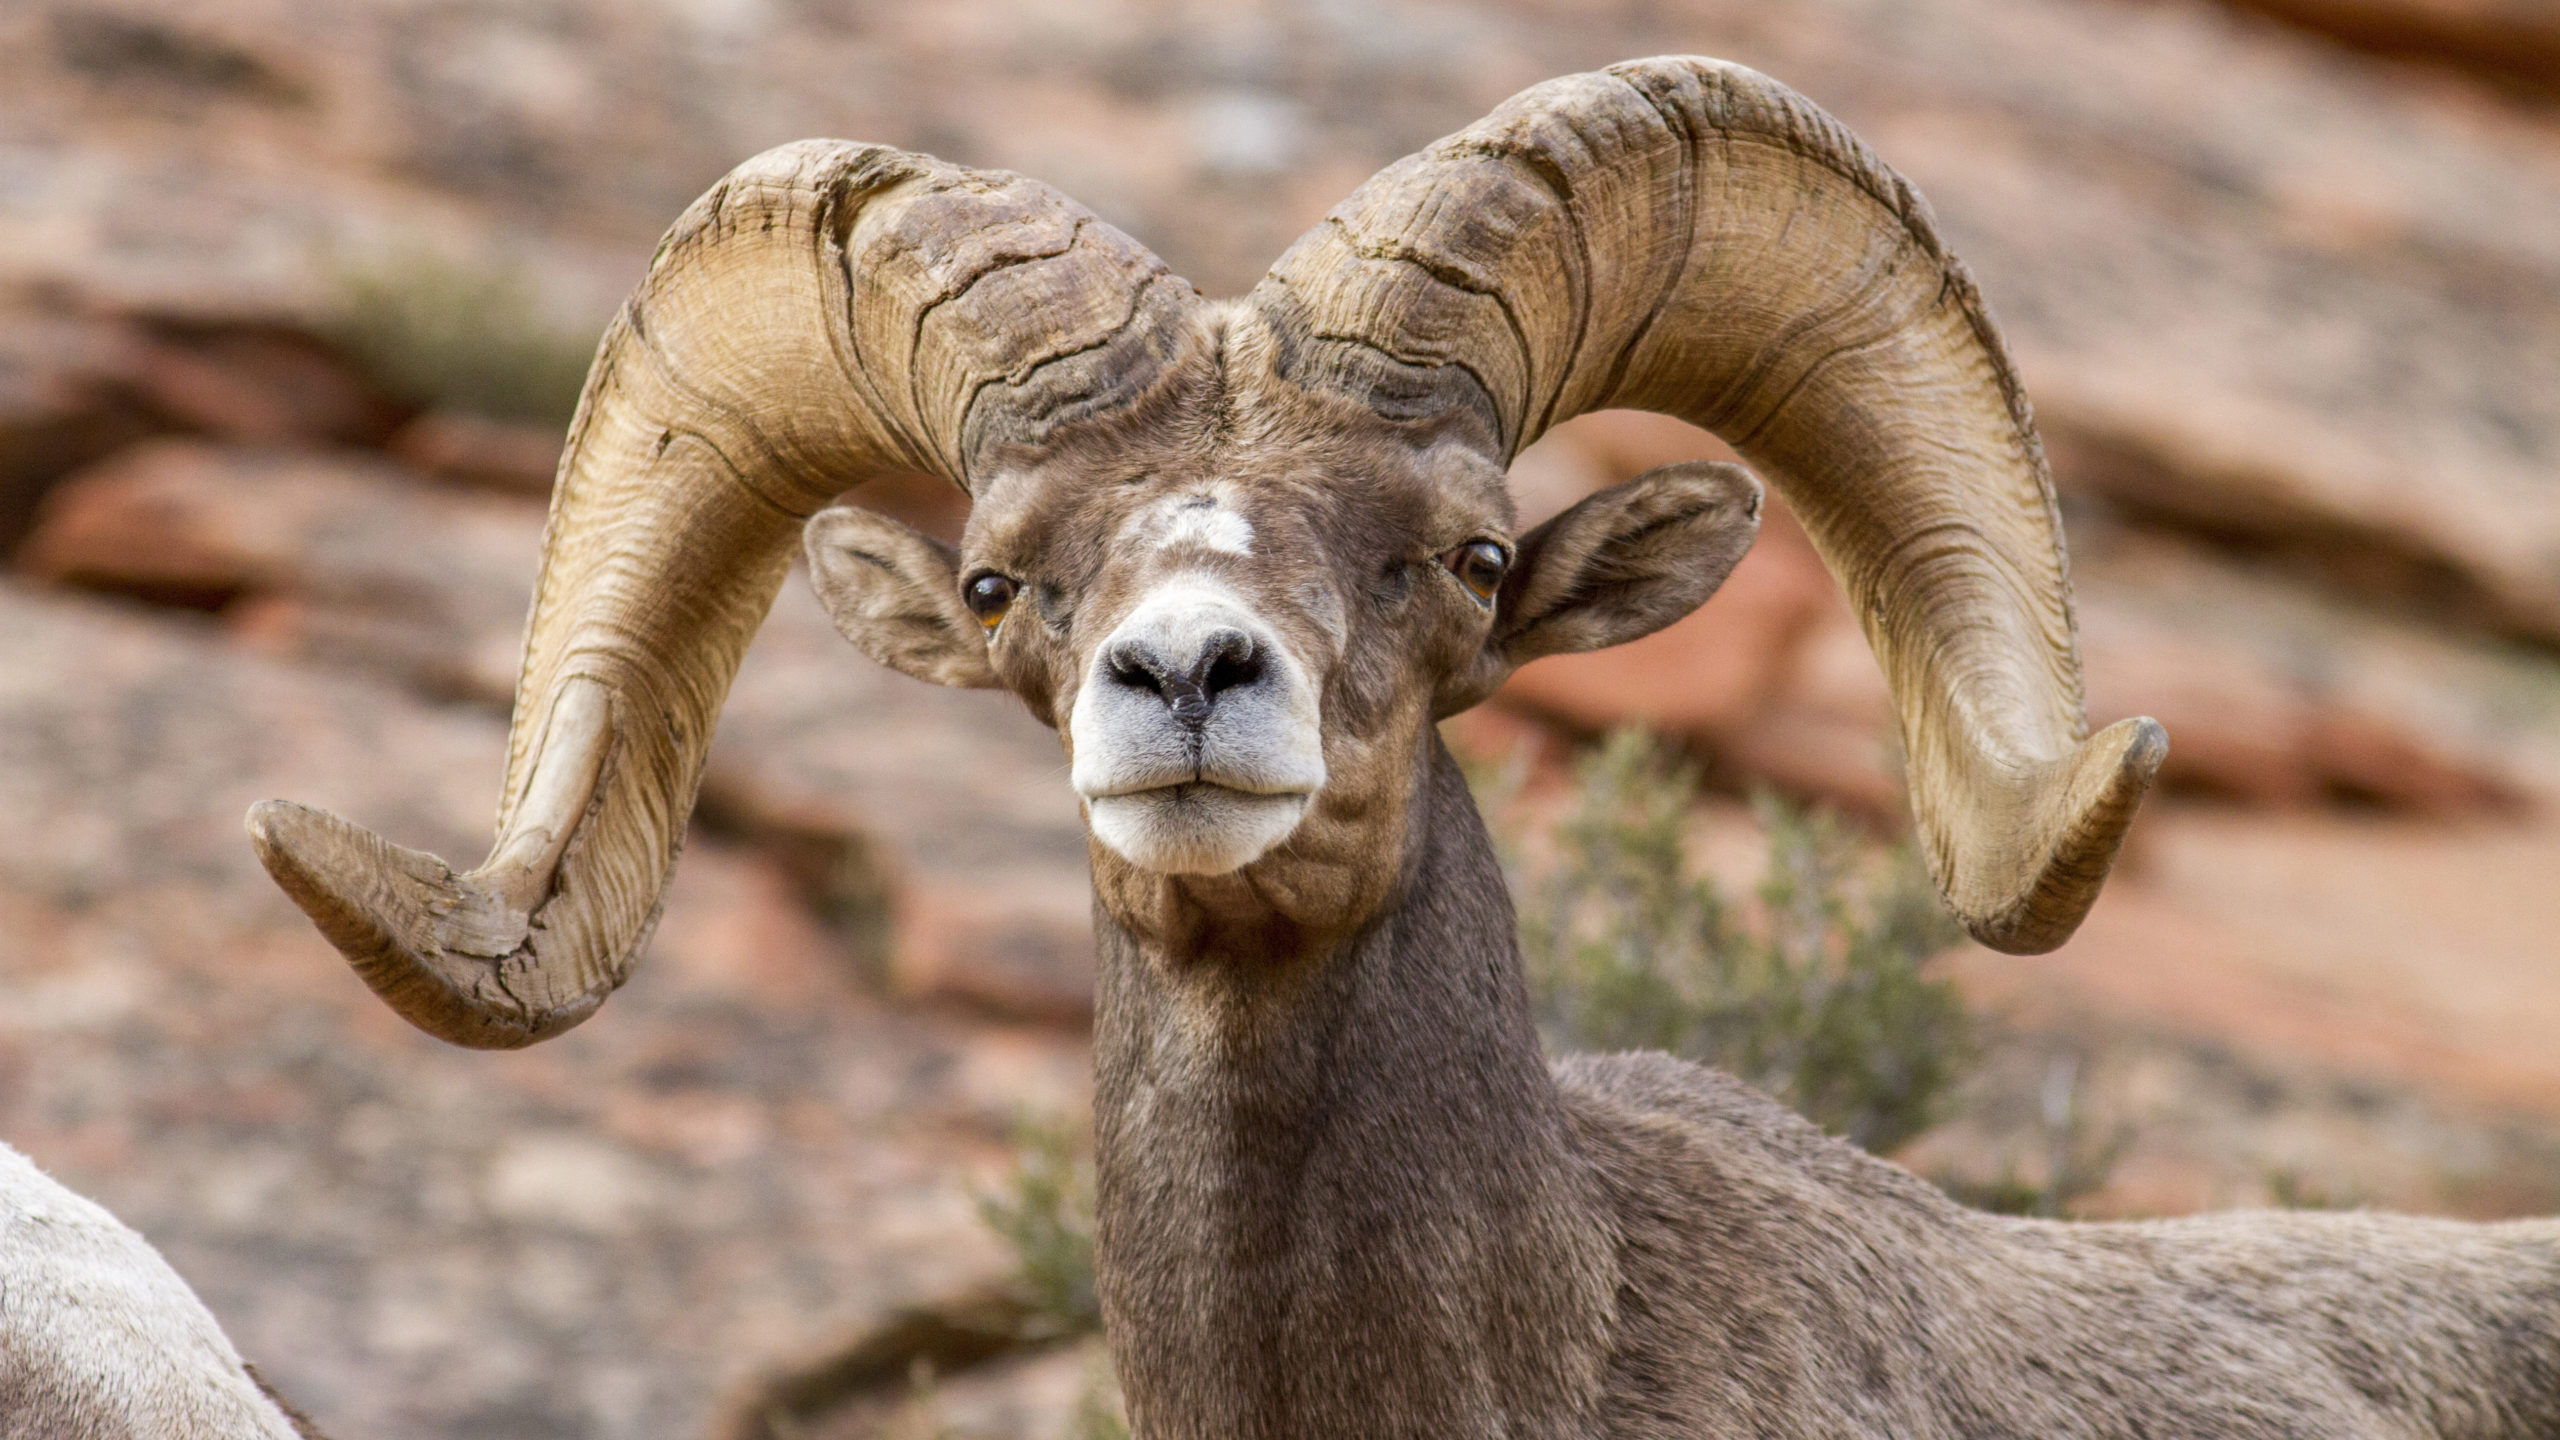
(1211, 526)
(1194, 517)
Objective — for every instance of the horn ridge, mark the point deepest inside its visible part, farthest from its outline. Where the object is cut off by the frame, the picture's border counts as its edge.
(826, 313)
(1688, 236)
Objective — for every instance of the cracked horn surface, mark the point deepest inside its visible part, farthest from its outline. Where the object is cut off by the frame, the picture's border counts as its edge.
(825, 313)
(1690, 237)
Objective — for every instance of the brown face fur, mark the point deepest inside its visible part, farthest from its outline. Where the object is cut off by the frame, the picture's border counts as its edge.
(1344, 566)
(1345, 537)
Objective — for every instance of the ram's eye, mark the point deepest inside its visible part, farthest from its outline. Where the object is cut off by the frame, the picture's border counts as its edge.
(1479, 565)
(988, 597)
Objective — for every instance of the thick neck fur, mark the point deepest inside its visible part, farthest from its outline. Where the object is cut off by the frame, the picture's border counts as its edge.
(1338, 1195)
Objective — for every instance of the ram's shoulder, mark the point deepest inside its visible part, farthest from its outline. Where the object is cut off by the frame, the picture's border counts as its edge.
(1683, 1102)
(1664, 1131)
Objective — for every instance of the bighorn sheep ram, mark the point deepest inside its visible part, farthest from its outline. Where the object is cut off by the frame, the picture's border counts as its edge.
(1243, 555)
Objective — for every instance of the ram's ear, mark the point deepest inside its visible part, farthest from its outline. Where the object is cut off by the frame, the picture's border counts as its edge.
(1625, 562)
(895, 593)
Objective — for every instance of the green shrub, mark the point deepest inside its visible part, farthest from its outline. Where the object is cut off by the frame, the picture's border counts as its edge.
(1819, 999)
(462, 336)
(1045, 1212)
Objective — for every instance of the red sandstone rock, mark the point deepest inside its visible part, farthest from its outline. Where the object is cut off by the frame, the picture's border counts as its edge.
(1703, 674)
(78, 382)
(2506, 40)
(61, 406)
(333, 555)
(2412, 953)
(507, 456)
(953, 803)
(2282, 696)
(258, 382)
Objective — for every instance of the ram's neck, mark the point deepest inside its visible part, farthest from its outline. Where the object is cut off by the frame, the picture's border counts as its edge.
(1337, 1195)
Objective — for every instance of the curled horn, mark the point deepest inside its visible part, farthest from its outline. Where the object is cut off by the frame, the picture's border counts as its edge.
(826, 313)
(1690, 237)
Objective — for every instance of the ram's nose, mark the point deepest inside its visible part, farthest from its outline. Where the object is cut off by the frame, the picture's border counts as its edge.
(1189, 679)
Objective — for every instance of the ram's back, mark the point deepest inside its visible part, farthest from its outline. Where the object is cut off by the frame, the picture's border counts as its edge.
(1780, 1282)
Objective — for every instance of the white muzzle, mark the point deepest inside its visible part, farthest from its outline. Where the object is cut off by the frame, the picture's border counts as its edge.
(1196, 735)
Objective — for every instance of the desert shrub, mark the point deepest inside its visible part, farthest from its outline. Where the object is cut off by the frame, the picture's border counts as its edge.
(462, 336)
(2078, 1160)
(1819, 996)
(1044, 1211)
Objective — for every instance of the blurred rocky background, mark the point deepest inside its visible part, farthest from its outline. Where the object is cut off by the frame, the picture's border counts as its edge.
(294, 298)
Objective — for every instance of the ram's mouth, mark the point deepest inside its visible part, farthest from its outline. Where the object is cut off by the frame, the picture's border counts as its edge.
(1196, 827)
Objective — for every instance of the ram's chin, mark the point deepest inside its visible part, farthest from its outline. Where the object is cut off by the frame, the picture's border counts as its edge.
(1196, 829)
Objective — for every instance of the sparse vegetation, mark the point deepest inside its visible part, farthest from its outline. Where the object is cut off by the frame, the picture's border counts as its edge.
(1045, 1212)
(1818, 996)
(462, 336)
(2077, 1161)
(1100, 1412)
(2290, 1189)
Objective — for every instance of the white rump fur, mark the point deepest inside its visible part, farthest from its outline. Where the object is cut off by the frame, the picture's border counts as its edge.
(100, 1339)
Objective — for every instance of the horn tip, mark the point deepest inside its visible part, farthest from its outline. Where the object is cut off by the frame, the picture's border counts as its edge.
(383, 908)
(314, 856)
(2139, 744)
(2102, 789)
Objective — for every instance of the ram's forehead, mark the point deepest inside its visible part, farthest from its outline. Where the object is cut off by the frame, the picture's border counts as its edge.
(1293, 495)
(1205, 517)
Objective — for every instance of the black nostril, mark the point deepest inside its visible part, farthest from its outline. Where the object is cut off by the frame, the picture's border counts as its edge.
(1225, 662)
(1230, 660)
(1137, 667)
